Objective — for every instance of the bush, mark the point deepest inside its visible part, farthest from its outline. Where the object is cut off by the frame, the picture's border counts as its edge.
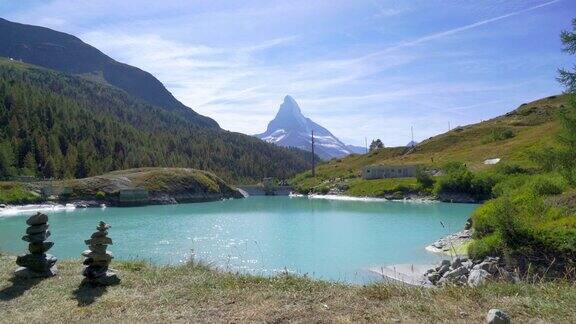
(523, 225)
(100, 195)
(322, 190)
(458, 179)
(498, 135)
(17, 194)
(487, 246)
(546, 185)
(424, 179)
(510, 169)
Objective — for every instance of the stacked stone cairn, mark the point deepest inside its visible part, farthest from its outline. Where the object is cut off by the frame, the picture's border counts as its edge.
(98, 259)
(37, 264)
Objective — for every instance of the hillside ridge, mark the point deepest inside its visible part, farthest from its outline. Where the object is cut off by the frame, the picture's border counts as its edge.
(67, 53)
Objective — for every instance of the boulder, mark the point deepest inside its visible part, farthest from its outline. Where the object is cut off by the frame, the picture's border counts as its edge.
(496, 316)
(478, 277)
(468, 264)
(456, 263)
(456, 273)
(488, 266)
(433, 277)
(443, 269)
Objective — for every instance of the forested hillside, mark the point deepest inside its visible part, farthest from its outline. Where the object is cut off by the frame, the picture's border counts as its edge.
(66, 53)
(55, 125)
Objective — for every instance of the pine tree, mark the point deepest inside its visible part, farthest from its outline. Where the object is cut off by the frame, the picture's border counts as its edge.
(7, 161)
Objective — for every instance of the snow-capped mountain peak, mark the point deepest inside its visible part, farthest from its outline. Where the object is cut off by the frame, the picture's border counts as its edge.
(292, 129)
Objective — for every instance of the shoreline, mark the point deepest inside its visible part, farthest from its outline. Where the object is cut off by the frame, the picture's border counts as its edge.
(418, 200)
(15, 210)
(453, 199)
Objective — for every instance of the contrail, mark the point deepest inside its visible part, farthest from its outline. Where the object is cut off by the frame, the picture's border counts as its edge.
(456, 30)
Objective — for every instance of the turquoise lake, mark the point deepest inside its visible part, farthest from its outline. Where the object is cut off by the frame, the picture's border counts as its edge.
(326, 239)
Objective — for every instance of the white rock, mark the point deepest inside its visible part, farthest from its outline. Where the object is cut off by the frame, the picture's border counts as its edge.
(496, 316)
(456, 273)
(478, 277)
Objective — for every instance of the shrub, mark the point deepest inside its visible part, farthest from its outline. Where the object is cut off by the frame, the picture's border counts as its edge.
(498, 135)
(546, 185)
(100, 195)
(510, 169)
(17, 194)
(322, 190)
(424, 179)
(487, 246)
(458, 179)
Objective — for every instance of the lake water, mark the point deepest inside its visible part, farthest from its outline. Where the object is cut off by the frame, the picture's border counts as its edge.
(326, 239)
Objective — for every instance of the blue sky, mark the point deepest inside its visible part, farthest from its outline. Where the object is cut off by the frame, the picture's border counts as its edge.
(360, 68)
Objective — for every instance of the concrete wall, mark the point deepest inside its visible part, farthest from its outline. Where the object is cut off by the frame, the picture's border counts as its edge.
(388, 171)
(256, 190)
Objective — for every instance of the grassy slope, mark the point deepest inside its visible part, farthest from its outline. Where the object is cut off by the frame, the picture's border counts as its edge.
(156, 180)
(532, 124)
(172, 181)
(196, 293)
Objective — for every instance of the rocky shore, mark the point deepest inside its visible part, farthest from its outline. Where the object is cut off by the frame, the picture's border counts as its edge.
(453, 244)
(464, 271)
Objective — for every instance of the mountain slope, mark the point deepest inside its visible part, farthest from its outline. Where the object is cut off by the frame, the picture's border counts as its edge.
(291, 129)
(63, 52)
(509, 137)
(57, 125)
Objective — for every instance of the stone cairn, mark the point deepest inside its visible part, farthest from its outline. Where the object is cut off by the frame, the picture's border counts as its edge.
(98, 259)
(37, 264)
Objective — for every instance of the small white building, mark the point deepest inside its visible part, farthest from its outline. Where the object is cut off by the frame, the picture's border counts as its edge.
(388, 171)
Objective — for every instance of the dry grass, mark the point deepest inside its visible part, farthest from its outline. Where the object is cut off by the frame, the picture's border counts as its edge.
(196, 293)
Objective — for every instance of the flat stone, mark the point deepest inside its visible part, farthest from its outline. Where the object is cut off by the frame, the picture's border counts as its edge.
(99, 234)
(36, 262)
(23, 272)
(36, 238)
(109, 279)
(99, 240)
(37, 219)
(39, 248)
(36, 229)
(93, 272)
(98, 256)
(98, 248)
(101, 263)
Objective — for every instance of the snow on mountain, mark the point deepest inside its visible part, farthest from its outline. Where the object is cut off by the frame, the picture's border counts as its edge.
(292, 129)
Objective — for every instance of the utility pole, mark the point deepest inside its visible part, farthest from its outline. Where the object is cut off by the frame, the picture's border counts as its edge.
(366, 144)
(449, 128)
(313, 157)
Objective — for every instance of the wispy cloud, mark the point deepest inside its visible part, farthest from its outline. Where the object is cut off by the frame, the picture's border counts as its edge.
(235, 61)
(443, 34)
